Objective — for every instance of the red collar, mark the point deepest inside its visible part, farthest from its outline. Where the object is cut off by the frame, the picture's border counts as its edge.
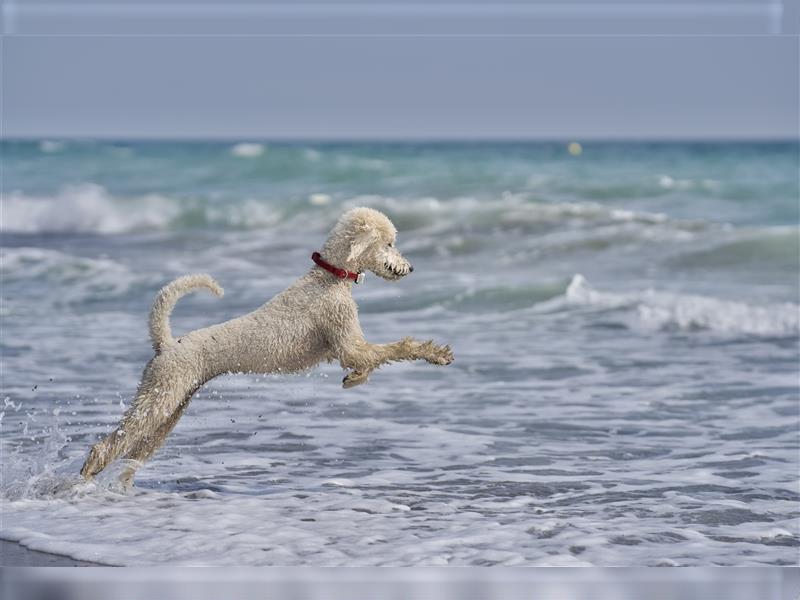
(340, 273)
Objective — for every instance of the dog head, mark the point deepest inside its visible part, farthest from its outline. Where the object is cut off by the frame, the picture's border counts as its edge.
(364, 240)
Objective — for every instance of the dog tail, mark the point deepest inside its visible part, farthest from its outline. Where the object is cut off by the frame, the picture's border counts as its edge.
(160, 332)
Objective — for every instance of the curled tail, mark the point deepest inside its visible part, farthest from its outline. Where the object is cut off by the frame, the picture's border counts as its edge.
(165, 301)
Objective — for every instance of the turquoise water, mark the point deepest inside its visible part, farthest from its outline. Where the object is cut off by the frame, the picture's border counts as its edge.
(736, 183)
(625, 324)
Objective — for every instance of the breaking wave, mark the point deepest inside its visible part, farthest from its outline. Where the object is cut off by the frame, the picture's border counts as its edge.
(76, 278)
(650, 309)
(248, 150)
(90, 208)
(669, 311)
(86, 208)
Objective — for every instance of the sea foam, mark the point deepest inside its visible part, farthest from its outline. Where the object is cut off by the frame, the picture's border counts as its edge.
(87, 207)
(663, 310)
(90, 208)
(248, 150)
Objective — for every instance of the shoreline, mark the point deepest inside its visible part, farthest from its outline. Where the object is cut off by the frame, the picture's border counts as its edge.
(14, 554)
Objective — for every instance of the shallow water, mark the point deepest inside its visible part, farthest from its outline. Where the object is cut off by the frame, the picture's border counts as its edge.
(625, 325)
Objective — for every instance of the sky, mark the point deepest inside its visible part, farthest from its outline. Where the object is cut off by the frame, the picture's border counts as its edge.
(527, 70)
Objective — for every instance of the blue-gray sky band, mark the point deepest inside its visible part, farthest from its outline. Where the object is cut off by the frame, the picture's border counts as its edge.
(595, 81)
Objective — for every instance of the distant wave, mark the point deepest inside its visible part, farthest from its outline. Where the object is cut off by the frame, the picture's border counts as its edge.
(468, 217)
(50, 146)
(649, 309)
(248, 150)
(86, 208)
(669, 311)
(89, 207)
(646, 186)
(760, 248)
(68, 278)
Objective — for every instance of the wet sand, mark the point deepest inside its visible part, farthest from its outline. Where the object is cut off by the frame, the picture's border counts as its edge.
(13, 554)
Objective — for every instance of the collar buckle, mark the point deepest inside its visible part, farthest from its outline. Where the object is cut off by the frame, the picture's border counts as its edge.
(360, 278)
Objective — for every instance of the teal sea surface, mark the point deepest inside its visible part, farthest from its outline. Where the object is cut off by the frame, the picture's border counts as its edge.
(625, 319)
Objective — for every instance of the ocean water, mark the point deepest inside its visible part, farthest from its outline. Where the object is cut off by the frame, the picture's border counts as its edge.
(625, 326)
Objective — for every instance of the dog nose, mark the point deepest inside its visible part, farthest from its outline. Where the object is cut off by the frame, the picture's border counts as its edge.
(410, 268)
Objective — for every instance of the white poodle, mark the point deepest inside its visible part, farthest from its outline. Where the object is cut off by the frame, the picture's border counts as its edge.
(315, 319)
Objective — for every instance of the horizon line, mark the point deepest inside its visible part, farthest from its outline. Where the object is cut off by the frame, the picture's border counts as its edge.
(400, 139)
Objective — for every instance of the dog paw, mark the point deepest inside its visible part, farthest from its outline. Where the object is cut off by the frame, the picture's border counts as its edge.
(94, 462)
(355, 378)
(438, 355)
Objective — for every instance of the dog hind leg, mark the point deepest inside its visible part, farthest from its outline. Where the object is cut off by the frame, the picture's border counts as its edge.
(146, 447)
(102, 453)
(147, 422)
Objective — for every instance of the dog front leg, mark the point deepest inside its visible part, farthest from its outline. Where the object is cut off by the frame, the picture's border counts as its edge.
(363, 358)
(411, 349)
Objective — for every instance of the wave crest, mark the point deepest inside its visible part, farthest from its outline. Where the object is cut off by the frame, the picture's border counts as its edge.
(668, 311)
(248, 150)
(90, 208)
(87, 207)
(78, 279)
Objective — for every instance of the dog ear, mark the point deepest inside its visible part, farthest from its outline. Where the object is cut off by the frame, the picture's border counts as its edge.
(361, 241)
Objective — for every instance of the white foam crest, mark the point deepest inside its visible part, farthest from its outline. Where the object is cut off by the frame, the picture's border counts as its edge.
(32, 263)
(318, 199)
(355, 162)
(516, 210)
(248, 150)
(670, 183)
(247, 214)
(81, 277)
(87, 207)
(90, 208)
(662, 310)
(509, 210)
(51, 146)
